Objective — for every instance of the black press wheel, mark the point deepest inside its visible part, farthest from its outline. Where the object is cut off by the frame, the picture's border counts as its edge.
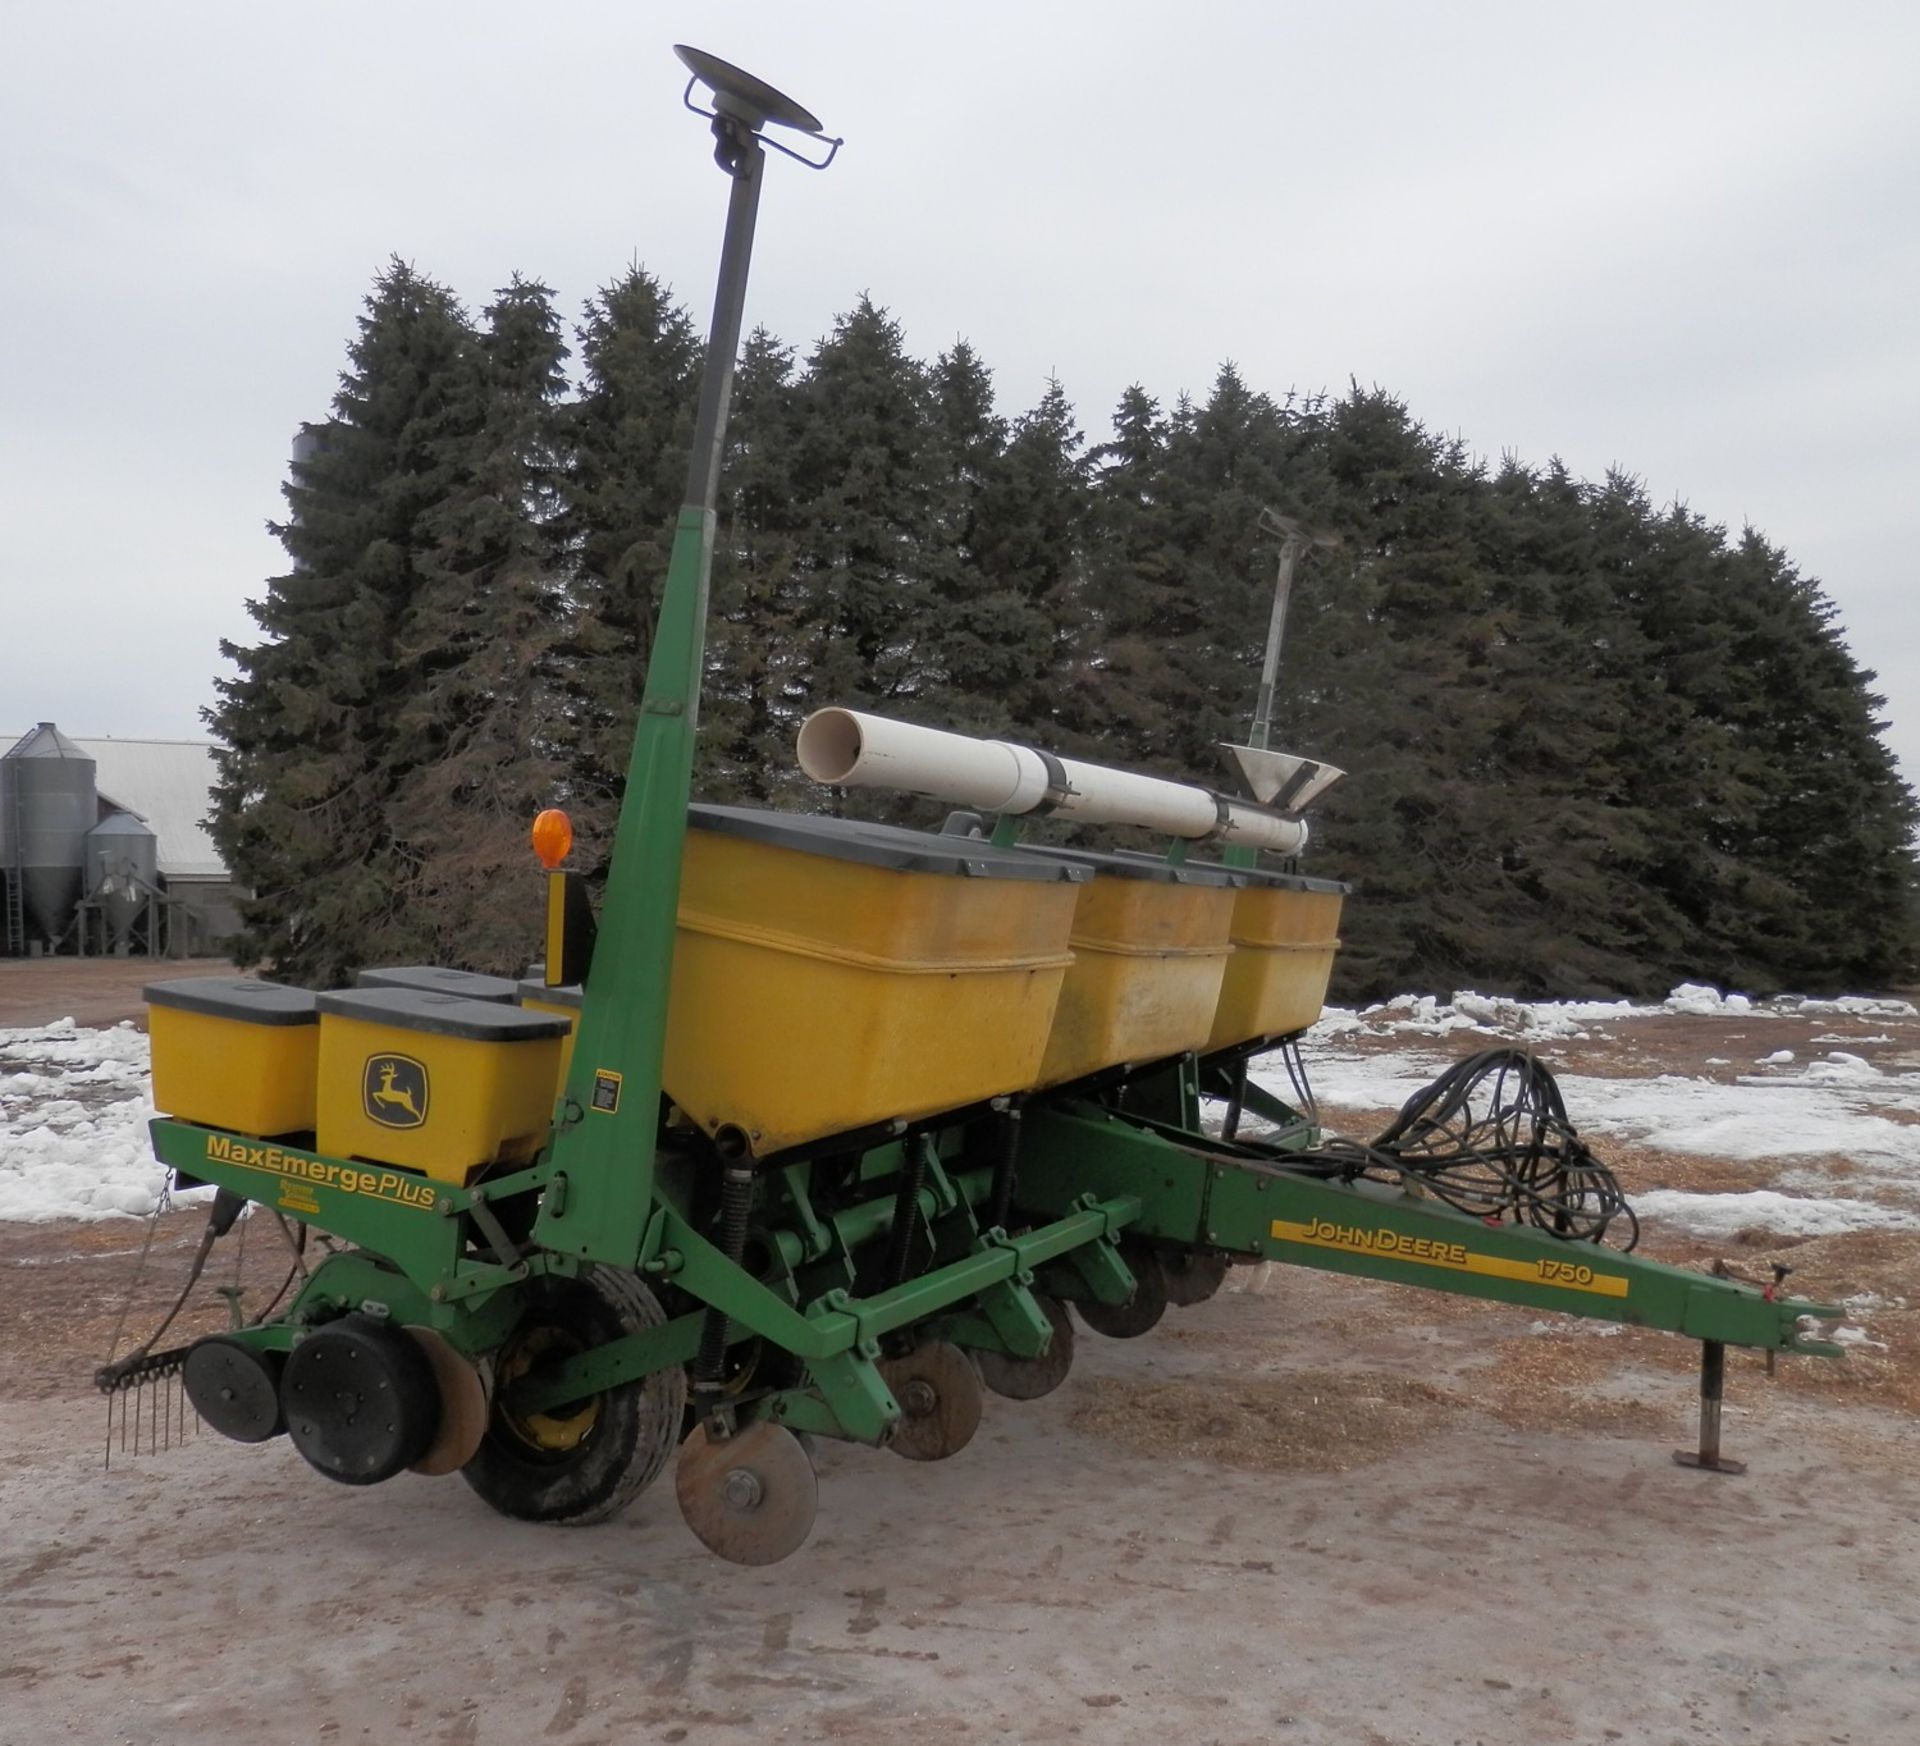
(588, 1459)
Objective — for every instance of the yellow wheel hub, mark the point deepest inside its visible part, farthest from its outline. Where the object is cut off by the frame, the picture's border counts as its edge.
(550, 1432)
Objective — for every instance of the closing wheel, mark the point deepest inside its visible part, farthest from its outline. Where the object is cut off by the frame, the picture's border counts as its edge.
(939, 1394)
(1142, 1311)
(463, 1406)
(1192, 1275)
(750, 1497)
(1030, 1378)
(583, 1460)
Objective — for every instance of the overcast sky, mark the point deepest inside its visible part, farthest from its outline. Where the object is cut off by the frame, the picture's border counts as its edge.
(1679, 239)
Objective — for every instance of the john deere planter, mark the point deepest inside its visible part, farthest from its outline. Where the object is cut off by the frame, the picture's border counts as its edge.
(816, 1127)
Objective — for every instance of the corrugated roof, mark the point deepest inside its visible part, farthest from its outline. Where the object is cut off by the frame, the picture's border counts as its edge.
(169, 784)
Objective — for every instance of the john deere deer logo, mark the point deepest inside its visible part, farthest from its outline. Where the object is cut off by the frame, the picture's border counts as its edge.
(394, 1091)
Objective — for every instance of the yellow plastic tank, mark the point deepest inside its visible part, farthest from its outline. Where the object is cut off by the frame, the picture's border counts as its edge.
(558, 1002)
(831, 975)
(1150, 946)
(434, 1082)
(1286, 930)
(234, 1052)
(468, 984)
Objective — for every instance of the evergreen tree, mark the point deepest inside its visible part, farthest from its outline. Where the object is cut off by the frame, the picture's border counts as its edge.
(968, 442)
(969, 439)
(306, 727)
(1133, 569)
(755, 683)
(1580, 839)
(625, 437)
(1010, 613)
(866, 481)
(1417, 824)
(1179, 570)
(1594, 745)
(1807, 821)
(470, 762)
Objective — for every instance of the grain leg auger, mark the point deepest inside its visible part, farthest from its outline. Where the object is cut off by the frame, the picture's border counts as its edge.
(816, 1128)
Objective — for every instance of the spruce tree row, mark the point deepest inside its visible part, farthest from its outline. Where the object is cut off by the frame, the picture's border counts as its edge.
(1595, 744)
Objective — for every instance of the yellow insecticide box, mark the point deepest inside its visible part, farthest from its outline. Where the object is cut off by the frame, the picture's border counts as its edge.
(468, 984)
(1286, 930)
(434, 1082)
(830, 975)
(1149, 950)
(537, 995)
(234, 1052)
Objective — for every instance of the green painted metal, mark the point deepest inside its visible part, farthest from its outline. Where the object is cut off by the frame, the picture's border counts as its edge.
(421, 1228)
(608, 1366)
(1291, 1130)
(606, 1154)
(1169, 1094)
(849, 1398)
(359, 1281)
(836, 1323)
(1385, 1233)
(356, 1202)
(352, 1281)
(604, 1141)
(1191, 1194)
(805, 1409)
(1095, 1273)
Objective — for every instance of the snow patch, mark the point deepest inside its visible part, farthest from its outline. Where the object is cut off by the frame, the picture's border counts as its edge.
(1571, 1325)
(1699, 1001)
(74, 1109)
(1849, 1006)
(1524, 1020)
(1782, 1215)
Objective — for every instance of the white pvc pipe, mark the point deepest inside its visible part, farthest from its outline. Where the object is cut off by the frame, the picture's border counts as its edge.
(846, 748)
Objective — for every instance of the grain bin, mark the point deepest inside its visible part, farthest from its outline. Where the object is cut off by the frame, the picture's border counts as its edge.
(48, 803)
(122, 873)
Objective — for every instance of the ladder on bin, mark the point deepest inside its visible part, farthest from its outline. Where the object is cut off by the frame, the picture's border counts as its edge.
(13, 873)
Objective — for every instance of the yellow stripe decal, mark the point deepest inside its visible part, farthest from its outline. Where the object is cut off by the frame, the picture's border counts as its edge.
(1453, 1257)
(296, 1171)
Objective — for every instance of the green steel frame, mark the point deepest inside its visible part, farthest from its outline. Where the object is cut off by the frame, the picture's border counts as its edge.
(1095, 1183)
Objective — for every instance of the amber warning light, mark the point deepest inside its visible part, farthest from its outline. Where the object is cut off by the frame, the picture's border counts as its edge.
(552, 837)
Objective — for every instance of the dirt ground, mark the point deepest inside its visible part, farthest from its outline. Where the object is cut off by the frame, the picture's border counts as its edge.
(90, 991)
(1312, 1510)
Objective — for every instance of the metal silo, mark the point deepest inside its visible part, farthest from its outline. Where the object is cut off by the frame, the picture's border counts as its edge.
(310, 442)
(48, 796)
(122, 873)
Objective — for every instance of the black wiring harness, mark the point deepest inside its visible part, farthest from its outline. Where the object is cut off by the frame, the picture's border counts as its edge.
(1491, 1137)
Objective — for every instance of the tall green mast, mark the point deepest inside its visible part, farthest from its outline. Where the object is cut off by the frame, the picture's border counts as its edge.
(604, 1143)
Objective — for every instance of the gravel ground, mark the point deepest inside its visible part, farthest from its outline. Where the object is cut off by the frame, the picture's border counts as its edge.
(1313, 1510)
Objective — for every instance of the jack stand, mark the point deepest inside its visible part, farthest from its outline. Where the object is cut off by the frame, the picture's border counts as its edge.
(1713, 1382)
